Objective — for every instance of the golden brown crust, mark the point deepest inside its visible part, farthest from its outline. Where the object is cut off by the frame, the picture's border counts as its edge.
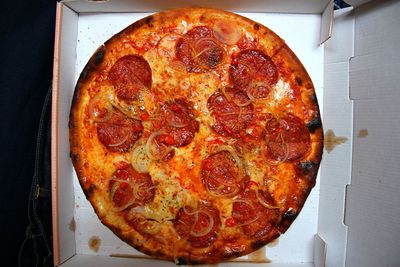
(96, 165)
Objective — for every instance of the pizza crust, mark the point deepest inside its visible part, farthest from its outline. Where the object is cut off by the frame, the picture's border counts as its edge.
(86, 149)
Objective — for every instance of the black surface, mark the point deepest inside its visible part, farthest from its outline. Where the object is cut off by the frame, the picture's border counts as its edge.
(27, 34)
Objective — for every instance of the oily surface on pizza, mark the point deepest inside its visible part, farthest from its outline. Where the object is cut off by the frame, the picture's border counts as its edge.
(196, 135)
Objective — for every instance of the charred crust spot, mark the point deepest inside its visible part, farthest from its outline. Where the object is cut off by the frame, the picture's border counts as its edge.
(306, 167)
(149, 21)
(257, 244)
(314, 124)
(99, 55)
(290, 215)
(231, 254)
(202, 17)
(89, 192)
(181, 261)
(299, 81)
(256, 26)
(287, 218)
(84, 74)
(74, 157)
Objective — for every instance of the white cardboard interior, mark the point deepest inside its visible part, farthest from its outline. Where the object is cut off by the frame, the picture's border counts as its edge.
(80, 35)
(373, 202)
(372, 62)
(336, 165)
(95, 29)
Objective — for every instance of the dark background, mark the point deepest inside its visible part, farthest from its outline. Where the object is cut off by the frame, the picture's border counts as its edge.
(26, 54)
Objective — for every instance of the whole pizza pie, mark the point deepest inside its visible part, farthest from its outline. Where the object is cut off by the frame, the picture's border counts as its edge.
(196, 135)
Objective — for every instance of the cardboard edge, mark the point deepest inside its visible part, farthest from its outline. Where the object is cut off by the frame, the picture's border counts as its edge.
(327, 19)
(282, 6)
(357, 3)
(54, 134)
(320, 249)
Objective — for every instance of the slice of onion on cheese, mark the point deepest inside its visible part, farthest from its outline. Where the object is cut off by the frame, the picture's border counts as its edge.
(166, 46)
(140, 160)
(178, 66)
(100, 107)
(227, 32)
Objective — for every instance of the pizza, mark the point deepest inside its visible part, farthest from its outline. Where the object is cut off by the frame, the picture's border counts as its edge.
(196, 135)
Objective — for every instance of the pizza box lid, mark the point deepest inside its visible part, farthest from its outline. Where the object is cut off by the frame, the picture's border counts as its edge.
(359, 79)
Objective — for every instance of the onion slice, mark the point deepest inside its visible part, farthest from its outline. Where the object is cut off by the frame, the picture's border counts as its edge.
(248, 203)
(239, 163)
(103, 100)
(178, 66)
(220, 194)
(207, 229)
(284, 145)
(239, 104)
(227, 32)
(139, 159)
(205, 39)
(149, 144)
(166, 46)
(262, 201)
(120, 142)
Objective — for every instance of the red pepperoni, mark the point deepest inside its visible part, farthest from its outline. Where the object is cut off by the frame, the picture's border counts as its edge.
(254, 219)
(129, 75)
(179, 123)
(287, 138)
(221, 175)
(200, 227)
(231, 120)
(254, 72)
(198, 50)
(129, 188)
(119, 133)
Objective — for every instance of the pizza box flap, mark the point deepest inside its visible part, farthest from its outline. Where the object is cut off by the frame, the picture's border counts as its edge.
(373, 198)
(270, 6)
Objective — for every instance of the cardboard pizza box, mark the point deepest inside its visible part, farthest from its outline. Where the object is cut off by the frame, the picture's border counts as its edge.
(352, 216)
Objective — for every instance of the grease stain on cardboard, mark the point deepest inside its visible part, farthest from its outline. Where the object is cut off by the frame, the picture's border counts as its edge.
(362, 133)
(331, 140)
(94, 243)
(72, 225)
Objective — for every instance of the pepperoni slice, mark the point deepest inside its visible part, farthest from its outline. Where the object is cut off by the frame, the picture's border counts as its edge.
(179, 123)
(288, 139)
(199, 226)
(254, 72)
(231, 119)
(129, 188)
(129, 75)
(221, 175)
(254, 219)
(198, 50)
(119, 133)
